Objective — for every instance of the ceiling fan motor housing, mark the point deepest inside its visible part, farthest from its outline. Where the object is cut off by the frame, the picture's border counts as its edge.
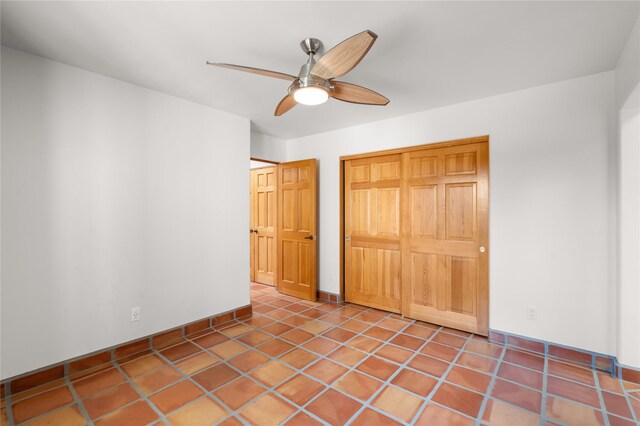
(310, 81)
(311, 46)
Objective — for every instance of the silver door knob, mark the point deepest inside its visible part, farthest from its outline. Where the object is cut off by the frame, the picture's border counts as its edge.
(482, 249)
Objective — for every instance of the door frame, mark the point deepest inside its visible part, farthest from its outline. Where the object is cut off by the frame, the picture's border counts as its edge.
(275, 163)
(251, 205)
(444, 144)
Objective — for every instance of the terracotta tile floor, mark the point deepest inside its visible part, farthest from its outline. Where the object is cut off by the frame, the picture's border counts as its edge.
(302, 363)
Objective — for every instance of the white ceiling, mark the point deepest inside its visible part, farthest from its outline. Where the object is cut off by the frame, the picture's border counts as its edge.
(428, 54)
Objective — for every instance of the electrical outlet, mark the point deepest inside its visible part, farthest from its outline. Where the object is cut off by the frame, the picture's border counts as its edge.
(532, 313)
(135, 313)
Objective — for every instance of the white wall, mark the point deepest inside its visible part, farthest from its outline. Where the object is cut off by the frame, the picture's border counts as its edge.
(549, 211)
(267, 147)
(629, 238)
(628, 71)
(113, 196)
(627, 76)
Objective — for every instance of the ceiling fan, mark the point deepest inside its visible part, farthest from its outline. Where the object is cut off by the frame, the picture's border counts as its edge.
(315, 83)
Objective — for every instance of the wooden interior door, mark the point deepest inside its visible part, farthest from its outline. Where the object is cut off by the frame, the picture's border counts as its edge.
(445, 261)
(264, 230)
(297, 236)
(252, 225)
(372, 230)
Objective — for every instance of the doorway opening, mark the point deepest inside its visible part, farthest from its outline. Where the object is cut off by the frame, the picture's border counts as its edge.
(283, 226)
(263, 218)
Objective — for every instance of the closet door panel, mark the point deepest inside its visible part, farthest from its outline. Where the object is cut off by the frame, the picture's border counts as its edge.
(373, 267)
(445, 259)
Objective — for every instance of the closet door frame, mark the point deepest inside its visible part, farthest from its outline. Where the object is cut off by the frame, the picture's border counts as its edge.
(343, 159)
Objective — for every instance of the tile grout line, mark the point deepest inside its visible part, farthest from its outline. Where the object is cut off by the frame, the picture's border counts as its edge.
(633, 410)
(270, 390)
(556, 376)
(231, 325)
(341, 343)
(545, 395)
(441, 380)
(387, 342)
(492, 381)
(349, 368)
(635, 416)
(605, 413)
(210, 393)
(114, 366)
(131, 383)
(270, 293)
(592, 365)
(46, 413)
(78, 401)
(440, 329)
(353, 368)
(395, 373)
(9, 405)
(189, 378)
(367, 403)
(427, 398)
(277, 358)
(9, 408)
(565, 398)
(545, 373)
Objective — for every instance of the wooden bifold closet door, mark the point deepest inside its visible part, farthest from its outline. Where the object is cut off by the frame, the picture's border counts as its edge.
(416, 231)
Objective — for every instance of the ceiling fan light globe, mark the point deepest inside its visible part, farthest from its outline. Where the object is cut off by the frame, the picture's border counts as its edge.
(311, 95)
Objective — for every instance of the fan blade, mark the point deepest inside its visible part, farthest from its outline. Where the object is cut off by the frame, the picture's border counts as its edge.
(353, 93)
(259, 71)
(285, 105)
(345, 56)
